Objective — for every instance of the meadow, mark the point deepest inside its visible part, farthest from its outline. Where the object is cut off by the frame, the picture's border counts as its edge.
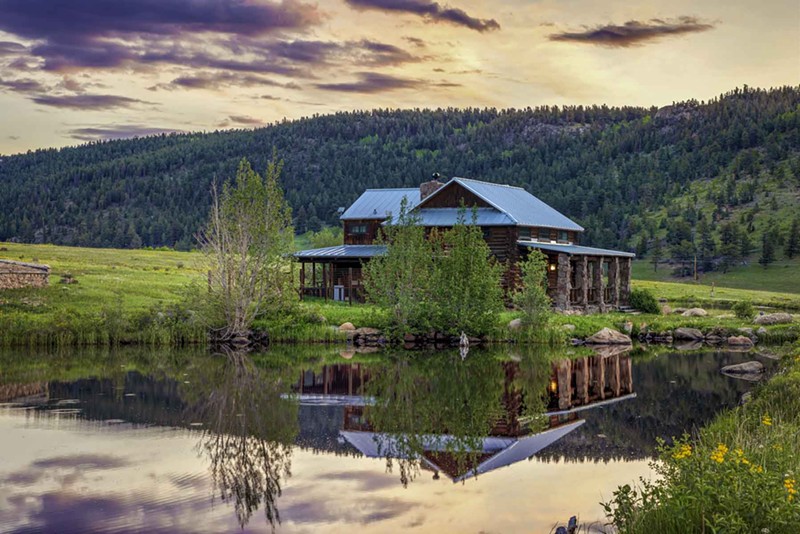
(134, 296)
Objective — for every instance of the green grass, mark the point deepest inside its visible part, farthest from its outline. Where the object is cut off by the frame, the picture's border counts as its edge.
(120, 292)
(776, 286)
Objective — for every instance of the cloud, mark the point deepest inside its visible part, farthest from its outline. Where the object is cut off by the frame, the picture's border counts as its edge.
(87, 102)
(10, 48)
(90, 34)
(372, 82)
(218, 80)
(431, 11)
(82, 461)
(117, 131)
(416, 41)
(245, 120)
(634, 32)
(24, 86)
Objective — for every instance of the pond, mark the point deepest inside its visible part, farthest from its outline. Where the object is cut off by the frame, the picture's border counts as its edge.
(316, 440)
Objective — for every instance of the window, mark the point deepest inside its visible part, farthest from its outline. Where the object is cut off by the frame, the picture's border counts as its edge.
(563, 236)
(358, 229)
(525, 234)
(544, 234)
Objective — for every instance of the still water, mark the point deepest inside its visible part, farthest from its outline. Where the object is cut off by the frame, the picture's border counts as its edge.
(314, 440)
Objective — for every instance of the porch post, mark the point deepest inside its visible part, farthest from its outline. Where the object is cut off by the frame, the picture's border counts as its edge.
(324, 283)
(625, 281)
(597, 283)
(563, 282)
(302, 279)
(613, 280)
(350, 284)
(584, 272)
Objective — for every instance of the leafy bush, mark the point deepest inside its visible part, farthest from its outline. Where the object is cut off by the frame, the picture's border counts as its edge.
(744, 310)
(532, 298)
(644, 301)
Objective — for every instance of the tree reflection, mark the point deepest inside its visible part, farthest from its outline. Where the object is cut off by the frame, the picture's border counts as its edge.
(248, 433)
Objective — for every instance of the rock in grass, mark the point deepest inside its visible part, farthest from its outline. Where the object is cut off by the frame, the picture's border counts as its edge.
(747, 371)
(695, 312)
(568, 327)
(740, 341)
(774, 318)
(346, 327)
(515, 324)
(691, 334)
(608, 336)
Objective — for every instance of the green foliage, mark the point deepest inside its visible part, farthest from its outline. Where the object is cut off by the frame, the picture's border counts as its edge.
(767, 249)
(449, 283)
(467, 294)
(401, 281)
(744, 310)
(739, 475)
(246, 248)
(532, 298)
(644, 301)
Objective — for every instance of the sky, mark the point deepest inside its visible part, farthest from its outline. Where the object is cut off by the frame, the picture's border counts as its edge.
(87, 70)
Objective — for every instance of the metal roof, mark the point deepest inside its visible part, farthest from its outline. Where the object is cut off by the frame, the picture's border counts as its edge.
(576, 250)
(381, 203)
(522, 207)
(342, 251)
(449, 217)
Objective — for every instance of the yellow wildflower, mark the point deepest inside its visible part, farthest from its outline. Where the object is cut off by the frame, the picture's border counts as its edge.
(719, 453)
(766, 420)
(684, 451)
(789, 483)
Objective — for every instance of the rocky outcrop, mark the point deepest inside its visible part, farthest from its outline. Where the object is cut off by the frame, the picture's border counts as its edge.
(774, 318)
(688, 334)
(695, 312)
(608, 336)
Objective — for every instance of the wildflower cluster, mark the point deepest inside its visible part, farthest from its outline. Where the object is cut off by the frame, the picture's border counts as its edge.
(719, 453)
(684, 451)
(789, 483)
(766, 420)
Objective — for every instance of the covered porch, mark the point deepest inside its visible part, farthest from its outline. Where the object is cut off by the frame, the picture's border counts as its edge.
(586, 278)
(335, 273)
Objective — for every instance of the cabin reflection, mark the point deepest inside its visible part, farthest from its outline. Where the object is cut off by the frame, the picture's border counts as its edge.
(573, 386)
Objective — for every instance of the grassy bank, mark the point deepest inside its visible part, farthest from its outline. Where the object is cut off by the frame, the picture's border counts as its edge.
(739, 474)
(133, 296)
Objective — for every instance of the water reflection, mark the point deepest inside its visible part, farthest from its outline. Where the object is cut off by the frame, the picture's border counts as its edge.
(440, 414)
(248, 433)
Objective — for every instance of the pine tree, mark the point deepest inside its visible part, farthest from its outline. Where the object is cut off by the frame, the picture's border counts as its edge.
(657, 254)
(793, 241)
(767, 249)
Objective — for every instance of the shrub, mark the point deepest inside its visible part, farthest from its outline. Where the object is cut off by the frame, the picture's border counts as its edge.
(644, 301)
(744, 309)
(532, 298)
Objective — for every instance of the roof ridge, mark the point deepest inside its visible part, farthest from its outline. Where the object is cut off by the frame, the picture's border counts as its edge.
(489, 183)
(392, 189)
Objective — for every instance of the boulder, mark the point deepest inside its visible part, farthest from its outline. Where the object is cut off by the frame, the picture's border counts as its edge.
(774, 318)
(740, 341)
(608, 336)
(666, 310)
(691, 334)
(515, 324)
(693, 344)
(678, 311)
(568, 327)
(752, 371)
(346, 327)
(746, 331)
(713, 339)
(611, 350)
(695, 312)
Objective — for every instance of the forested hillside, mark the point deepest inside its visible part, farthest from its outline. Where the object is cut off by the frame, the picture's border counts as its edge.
(625, 174)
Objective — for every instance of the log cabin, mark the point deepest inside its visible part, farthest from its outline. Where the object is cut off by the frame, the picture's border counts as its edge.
(513, 221)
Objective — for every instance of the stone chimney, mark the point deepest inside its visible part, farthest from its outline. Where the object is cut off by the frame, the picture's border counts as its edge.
(426, 189)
